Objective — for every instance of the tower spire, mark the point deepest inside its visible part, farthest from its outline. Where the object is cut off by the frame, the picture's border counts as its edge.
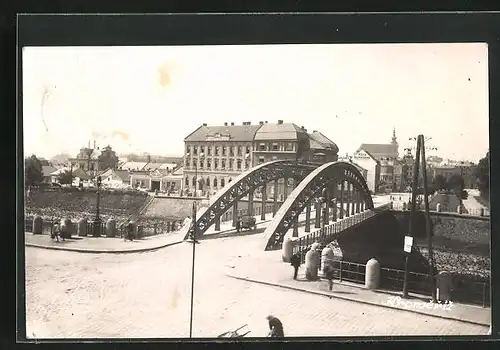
(394, 139)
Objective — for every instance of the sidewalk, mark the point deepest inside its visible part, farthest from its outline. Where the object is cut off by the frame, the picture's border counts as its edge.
(268, 268)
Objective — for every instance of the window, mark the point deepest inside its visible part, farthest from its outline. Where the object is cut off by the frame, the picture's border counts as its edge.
(216, 164)
(193, 181)
(195, 150)
(289, 146)
(231, 151)
(202, 150)
(195, 162)
(231, 164)
(188, 151)
(238, 164)
(248, 150)
(262, 147)
(201, 164)
(216, 150)
(209, 151)
(247, 164)
(222, 183)
(215, 182)
(230, 180)
(224, 149)
(208, 182)
(209, 163)
(261, 160)
(275, 147)
(82, 165)
(188, 163)
(223, 164)
(239, 150)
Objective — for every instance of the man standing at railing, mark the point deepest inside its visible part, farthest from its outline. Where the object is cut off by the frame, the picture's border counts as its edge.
(295, 262)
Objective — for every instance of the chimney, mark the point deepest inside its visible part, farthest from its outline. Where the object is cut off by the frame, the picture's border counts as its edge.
(261, 123)
(232, 123)
(225, 123)
(94, 144)
(280, 121)
(315, 131)
(204, 124)
(244, 123)
(266, 121)
(89, 145)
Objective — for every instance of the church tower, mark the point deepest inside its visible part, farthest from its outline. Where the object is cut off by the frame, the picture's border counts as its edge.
(395, 143)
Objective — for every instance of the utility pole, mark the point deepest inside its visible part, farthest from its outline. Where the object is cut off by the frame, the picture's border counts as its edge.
(428, 223)
(412, 212)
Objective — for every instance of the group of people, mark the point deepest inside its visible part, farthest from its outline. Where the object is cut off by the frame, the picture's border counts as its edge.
(328, 270)
(56, 231)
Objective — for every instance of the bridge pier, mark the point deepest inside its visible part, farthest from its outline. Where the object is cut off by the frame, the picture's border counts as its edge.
(296, 227)
(325, 212)
(308, 218)
(353, 200)
(341, 200)
(235, 213)
(217, 223)
(317, 223)
(358, 201)
(333, 202)
(285, 188)
(250, 202)
(275, 198)
(263, 203)
(348, 200)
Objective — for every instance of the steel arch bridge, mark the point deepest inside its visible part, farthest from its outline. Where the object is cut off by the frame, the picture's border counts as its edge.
(246, 184)
(335, 182)
(335, 185)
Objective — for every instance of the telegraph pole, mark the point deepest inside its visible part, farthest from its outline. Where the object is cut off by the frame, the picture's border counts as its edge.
(428, 223)
(412, 211)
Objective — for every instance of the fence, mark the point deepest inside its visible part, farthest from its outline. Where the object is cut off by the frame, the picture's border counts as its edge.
(468, 291)
(331, 232)
(144, 229)
(464, 211)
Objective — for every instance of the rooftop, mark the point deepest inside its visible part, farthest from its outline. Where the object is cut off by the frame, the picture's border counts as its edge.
(242, 133)
(279, 131)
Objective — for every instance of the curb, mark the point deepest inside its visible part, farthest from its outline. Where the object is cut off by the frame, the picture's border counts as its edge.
(356, 300)
(95, 251)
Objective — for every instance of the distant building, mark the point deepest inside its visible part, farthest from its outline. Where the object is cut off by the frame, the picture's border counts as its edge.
(113, 178)
(47, 170)
(220, 153)
(366, 160)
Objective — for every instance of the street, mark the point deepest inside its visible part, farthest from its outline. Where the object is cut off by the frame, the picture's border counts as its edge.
(148, 295)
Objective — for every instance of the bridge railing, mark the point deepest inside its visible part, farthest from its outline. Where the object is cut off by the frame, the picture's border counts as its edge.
(470, 291)
(329, 233)
(444, 209)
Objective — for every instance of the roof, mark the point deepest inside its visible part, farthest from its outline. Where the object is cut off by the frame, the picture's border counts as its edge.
(81, 174)
(122, 174)
(379, 150)
(179, 171)
(47, 170)
(285, 131)
(320, 141)
(368, 153)
(230, 132)
(133, 166)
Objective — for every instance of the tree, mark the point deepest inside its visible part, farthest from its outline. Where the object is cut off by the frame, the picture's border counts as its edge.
(456, 184)
(482, 173)
(439, 182)
(65, 177)
(108, 159)
(33, 174)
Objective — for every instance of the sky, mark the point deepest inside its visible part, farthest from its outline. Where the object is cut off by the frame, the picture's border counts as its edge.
(148, 99)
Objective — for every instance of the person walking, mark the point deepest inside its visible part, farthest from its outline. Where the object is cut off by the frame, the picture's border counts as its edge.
(130, 230)
(295, 262)
(275, 327)
(238, 224)
(55, 231)
(329, 275)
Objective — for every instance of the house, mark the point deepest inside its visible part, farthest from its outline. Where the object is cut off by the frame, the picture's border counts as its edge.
(112, 178)
(47, 170)
(366, 160)
(78, 175)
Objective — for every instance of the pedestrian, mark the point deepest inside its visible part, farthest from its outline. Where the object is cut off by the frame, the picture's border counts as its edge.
(275, 327)
(55, 232)
(328, 270)
(130, 230)
(238, 224)
(295, 262)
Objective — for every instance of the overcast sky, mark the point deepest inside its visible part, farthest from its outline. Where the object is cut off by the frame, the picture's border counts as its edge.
(148, 99)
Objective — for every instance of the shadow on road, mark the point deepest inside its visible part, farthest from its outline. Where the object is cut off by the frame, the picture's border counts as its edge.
(232, 234)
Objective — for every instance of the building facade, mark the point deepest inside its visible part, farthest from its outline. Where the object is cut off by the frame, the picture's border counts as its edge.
(216, 155)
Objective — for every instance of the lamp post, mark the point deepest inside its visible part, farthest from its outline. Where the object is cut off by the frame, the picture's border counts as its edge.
(97, 221)
(192, 239)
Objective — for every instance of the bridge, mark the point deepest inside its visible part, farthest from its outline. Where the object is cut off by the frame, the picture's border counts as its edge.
(335, 190)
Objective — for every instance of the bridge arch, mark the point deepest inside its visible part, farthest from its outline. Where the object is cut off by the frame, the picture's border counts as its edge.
(245, 184)
(344, 184)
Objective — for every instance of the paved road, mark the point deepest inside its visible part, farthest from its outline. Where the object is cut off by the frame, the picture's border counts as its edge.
(148, 295)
